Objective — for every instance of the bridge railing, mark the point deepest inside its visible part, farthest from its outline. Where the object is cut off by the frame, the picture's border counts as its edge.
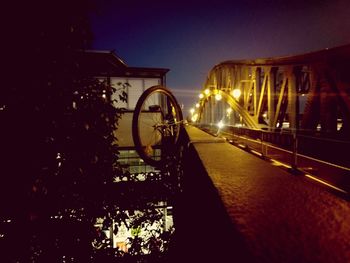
(275, 213)
(323, 158)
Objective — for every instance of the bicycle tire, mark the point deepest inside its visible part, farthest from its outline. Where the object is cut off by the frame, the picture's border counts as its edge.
(140, 115)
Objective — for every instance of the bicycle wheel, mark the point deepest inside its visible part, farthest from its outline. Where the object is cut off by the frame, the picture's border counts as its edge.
(156, 124)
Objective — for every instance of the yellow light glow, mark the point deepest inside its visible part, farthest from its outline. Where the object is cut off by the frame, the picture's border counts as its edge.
(194, 117)
(236, 93)
(220, 124)
(201, 96)
(229, 110)
(192, 110)
(197, 105)
(218, 96)
(207, 92)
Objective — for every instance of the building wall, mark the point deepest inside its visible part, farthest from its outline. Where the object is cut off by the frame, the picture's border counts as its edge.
(134, 91)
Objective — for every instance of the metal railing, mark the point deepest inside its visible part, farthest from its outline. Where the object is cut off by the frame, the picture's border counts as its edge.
(322, 158)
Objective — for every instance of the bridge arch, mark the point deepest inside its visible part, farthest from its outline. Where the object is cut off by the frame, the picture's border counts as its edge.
(308, 92)
(226, 101)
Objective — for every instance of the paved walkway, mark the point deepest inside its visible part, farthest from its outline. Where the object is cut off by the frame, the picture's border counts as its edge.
(239, 208)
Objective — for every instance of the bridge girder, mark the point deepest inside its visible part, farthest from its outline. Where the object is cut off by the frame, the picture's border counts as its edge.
(310, 91)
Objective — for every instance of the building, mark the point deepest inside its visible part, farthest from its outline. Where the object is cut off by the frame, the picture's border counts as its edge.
(106, 65)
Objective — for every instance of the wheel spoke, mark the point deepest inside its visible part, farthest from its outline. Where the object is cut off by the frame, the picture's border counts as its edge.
(156, 115)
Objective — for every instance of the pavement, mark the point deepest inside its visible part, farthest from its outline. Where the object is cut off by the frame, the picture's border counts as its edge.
(236, 207)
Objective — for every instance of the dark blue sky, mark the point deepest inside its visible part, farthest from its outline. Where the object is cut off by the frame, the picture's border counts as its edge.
(190, 37)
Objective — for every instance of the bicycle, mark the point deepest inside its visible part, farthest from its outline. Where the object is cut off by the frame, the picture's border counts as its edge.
(156, 125)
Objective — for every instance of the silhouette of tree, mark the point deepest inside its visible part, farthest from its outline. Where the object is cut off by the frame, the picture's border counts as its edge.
(58, 150)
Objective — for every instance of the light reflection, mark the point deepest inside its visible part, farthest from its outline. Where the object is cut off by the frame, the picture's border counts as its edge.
(220, 124)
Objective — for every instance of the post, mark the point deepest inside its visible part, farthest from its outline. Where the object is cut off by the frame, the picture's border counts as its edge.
(257, 88)
(271, 97)
(293, 101)
(262, 144)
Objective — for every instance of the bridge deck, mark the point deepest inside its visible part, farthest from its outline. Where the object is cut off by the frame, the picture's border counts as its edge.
(238, 206)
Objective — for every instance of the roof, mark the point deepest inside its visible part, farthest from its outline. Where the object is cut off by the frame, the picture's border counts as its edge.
(107, 63)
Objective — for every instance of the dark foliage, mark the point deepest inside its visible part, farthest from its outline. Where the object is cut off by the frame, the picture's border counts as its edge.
(58, 151)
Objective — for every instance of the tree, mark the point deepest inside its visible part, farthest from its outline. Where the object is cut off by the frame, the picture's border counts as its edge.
(58, 150)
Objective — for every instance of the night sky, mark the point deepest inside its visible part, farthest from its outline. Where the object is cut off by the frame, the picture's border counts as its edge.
(190, 37)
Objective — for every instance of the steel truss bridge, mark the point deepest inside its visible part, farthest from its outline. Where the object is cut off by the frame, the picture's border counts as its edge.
(298, 104)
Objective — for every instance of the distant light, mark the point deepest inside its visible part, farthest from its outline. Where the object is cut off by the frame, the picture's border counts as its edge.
(236, 93)
(192, 110)
(197, 105)
(218, 96)
(201, 96)
(207, 92)
(220, 124)
(229, 110)
(194, 117)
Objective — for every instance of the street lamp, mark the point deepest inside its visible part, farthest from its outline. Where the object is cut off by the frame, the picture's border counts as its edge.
(218, 96)
(197, 105)
(236, 93)
(194, 117)
(207, 92)
(201, 96)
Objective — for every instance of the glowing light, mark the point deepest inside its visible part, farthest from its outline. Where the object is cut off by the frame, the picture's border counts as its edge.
(236, 93)
(194, 117)
(197, 105)
(229, 111)
(218, 96)
(192, 110)
(220, 124)
(201, 96)
(207, 92)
